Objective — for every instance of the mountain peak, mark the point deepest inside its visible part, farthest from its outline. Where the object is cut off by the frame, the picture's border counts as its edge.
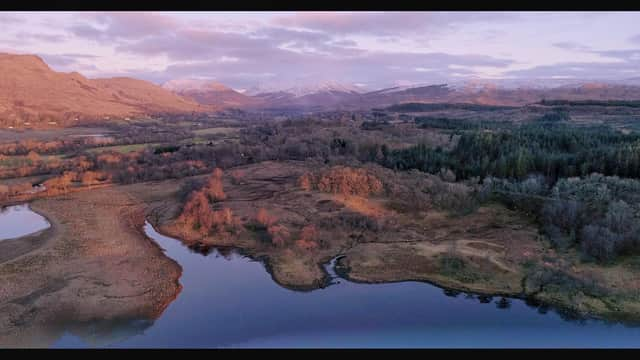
(26, 61)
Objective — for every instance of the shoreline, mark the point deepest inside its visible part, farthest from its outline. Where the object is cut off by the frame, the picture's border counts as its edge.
(342, 272)
(158, 200)
(12, 249)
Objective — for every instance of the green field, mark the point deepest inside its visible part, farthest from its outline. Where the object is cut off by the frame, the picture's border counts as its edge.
(216, 131)
(123, 149)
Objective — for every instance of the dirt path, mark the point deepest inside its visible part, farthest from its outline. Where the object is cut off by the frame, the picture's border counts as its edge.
(92, 268)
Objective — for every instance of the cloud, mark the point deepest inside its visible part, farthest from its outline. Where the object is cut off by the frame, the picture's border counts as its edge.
(189, 44)
(123, 25)
(87, 31)
(290, 67)
(380, 23)
(626, 65)
(630, 55)
(373, 48)
(581, 70)
(39, 37)
(57, 61)
(571, 46)
(344, 43)
(7, 19)
(290, 53)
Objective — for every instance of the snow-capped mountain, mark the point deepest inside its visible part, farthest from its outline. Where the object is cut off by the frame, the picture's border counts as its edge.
(323, 87)
(337, 95)
(300, 90)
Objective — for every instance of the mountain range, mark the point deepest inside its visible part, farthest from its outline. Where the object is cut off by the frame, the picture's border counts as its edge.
(334, 95)
(32, 94)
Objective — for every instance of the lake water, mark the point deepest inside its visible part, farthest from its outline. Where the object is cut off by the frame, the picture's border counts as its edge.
(231, 301)
(19, 220)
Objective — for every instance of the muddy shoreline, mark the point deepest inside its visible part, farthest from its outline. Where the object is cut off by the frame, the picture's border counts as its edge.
(93, 264)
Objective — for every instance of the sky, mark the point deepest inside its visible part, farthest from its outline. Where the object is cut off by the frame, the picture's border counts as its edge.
(369, 49)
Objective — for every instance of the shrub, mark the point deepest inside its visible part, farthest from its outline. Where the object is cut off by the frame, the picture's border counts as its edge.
(600, 242)
(214, 186)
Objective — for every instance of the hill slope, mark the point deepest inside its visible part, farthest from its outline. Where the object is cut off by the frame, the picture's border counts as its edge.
(32, 94)
(209, 93)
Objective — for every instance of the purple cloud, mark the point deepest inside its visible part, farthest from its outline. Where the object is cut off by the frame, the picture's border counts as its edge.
(581, 70)
(571, 46)
(39, 37)
(254, 64)
(389, 23)
(123, 25)
(6, 19)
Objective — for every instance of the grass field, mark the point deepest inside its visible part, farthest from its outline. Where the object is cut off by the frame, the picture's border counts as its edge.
(22, 160)
(123, 149)
(10, 136)
(216, 131)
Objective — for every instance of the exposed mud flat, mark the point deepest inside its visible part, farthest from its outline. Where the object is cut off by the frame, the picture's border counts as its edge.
(92, 264)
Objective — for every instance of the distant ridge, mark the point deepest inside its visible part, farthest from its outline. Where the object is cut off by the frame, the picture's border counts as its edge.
(209, 92)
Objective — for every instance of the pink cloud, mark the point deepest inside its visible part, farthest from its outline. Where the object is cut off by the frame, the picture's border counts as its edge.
(384, 23)
(115, 25)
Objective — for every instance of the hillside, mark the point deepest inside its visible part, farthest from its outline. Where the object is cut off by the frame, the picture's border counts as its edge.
(33, 95)
(210, 93)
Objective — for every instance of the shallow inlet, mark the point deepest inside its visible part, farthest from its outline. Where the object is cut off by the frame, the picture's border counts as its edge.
(19, 220)
(231, 301)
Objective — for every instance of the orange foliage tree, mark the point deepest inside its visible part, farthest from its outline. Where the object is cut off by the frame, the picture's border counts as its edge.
(4, 192)
(306, 182)
(343, 180)
(264, 218)
(224, 221)
(197, 213)
(33, 156)
(214, 186)
(279, 234)
(92, 177)
(308, 236)
(60, 184)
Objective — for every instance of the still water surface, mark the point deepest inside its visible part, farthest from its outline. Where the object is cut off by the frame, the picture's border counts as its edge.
(19, 220)
(229, 300)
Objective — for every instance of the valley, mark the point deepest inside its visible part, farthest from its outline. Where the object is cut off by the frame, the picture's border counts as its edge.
(319, 179)
(386, 192)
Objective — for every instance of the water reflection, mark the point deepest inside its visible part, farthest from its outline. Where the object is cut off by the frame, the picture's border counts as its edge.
(19, 220)
(101, 333)
(230, 301)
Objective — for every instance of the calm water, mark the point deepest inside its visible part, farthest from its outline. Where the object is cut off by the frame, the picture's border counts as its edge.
(231, 301)
(19, 220)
